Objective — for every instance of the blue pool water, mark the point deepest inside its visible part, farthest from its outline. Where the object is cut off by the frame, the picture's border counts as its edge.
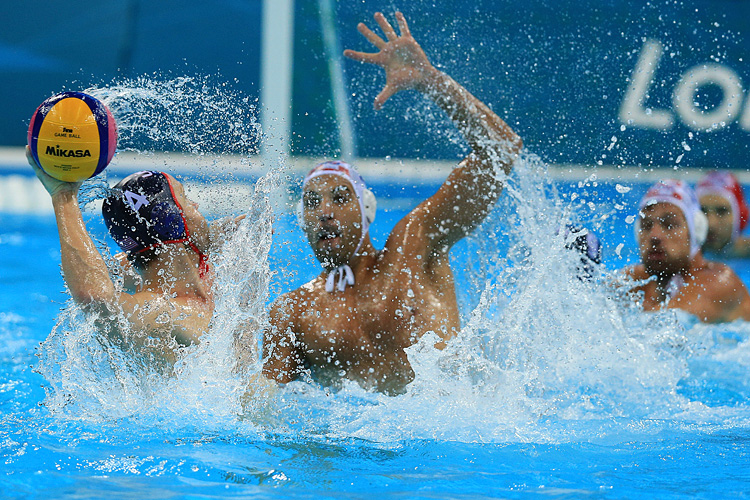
(556, 388)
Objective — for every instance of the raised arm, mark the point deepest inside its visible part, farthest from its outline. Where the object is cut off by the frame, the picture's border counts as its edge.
(470, 191)
(84, 270)
(182, 319)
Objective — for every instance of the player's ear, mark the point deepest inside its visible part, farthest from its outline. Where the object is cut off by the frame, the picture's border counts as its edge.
(371, 205)
(700, 225)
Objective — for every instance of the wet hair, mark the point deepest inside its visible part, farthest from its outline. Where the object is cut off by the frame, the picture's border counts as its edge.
(141, 214)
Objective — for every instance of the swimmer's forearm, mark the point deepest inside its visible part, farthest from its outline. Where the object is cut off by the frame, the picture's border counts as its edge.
(486, 132)
(83, 267)
(471, 190)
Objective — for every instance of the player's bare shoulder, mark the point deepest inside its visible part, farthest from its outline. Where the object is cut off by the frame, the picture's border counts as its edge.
(636, 272)
(289, 308)
(284, 309)
(410, 247)
(717, 278)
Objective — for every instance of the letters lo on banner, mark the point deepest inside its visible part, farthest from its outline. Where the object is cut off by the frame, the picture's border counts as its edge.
(635, 112)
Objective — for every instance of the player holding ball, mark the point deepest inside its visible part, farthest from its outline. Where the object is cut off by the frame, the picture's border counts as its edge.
(72, 136)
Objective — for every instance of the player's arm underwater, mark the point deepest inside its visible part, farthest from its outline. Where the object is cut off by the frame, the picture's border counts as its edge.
(470, 191)
(283, 361)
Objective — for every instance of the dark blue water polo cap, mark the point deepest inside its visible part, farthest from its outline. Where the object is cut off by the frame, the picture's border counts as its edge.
(141, 213)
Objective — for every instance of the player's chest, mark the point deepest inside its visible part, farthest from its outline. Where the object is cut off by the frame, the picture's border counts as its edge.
(357, 321)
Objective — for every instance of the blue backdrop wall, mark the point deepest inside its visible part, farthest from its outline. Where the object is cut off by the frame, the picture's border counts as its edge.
(657, 83)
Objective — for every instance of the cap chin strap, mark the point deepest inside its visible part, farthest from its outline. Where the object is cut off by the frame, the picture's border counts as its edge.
(674, 285)
(340, 277)
(202, 257)
(202, 260)
(343, 275)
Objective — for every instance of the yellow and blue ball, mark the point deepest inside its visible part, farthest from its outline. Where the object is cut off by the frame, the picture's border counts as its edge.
(72, 136)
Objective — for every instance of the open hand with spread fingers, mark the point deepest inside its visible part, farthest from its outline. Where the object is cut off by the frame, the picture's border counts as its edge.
(405, 63)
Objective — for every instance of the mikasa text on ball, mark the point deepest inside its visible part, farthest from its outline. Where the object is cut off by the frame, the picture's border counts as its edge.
(72, 136)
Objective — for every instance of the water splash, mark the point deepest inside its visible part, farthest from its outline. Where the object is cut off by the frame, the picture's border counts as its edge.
(543, 356)
(197, 114)
(99, 374)
(96, 373)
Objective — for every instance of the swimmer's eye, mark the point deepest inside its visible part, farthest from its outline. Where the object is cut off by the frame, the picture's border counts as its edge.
(669, 224)
(311, 200)
(718, 211)
(341, 196)
(340, 199)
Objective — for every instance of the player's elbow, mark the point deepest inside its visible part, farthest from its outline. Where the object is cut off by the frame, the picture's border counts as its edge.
(500, 154)
(280, 375)
(92, 298)
(512, 148)
(517, 143)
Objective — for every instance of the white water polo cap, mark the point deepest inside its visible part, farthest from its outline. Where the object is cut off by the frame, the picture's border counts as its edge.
(681, 195)
(367, 208)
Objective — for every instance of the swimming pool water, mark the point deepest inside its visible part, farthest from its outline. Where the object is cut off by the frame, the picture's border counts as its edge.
(555, 392)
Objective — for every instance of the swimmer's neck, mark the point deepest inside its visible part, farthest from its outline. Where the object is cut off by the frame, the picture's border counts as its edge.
(176, 271)
(361, 260)
(687, 273)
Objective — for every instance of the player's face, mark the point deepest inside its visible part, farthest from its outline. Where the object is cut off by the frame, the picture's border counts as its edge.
(664, 239)
(331, 219)
(718, 210)
(196, 223)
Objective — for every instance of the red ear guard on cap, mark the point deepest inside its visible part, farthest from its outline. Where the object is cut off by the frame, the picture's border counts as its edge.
(743, 209)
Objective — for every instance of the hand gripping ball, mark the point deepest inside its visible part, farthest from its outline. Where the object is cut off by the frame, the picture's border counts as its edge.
(72, 136)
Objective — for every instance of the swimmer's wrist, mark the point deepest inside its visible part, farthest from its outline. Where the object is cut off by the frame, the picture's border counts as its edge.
(432, 80)
(65, 192)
